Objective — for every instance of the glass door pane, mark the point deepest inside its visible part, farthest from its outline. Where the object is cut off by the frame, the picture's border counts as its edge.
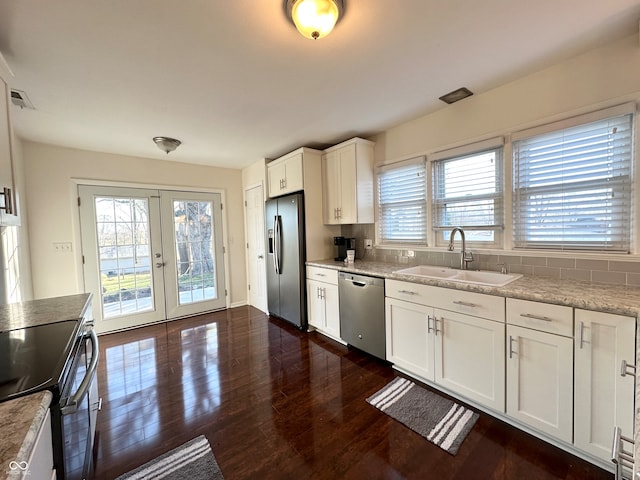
(193, 238)
(124, 255)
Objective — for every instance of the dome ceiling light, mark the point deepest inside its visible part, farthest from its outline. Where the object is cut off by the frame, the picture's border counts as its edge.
(314, 19)
(167, 144)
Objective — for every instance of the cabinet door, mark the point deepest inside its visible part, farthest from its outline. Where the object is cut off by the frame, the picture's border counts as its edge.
(331, 183)
(348, 213)
(540, 380)
(331, 310)
(409, 343)
(469, 357)
(604, 398)
(293, 177)
(275, 177)
(315, 304)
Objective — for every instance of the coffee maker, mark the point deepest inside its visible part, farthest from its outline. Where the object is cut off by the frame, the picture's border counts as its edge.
(343, 244)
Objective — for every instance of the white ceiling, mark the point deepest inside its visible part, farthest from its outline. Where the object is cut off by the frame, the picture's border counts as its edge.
(236, 83)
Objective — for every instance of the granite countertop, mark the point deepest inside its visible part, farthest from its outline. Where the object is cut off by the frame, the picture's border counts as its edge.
(39, 312)
(20, 422)
(617, 299)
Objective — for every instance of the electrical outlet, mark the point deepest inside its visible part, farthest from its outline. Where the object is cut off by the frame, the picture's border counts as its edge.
(368, 243)
(62, 247)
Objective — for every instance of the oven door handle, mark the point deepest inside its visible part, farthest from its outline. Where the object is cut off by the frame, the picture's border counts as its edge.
(71, 405)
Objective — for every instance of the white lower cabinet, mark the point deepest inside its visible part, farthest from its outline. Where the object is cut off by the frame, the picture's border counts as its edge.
(470, 357)
(603, 397)
(323, 306)
(410, 344)
(40, 463)
(540, 380)
(460, 352)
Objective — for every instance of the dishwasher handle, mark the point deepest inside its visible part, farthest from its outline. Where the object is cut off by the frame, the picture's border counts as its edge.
(358, 284)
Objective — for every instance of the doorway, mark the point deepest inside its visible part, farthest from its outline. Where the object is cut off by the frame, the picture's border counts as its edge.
(151, 255)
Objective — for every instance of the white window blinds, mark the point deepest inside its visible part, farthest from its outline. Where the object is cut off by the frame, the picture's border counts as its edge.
(402, 202)
(467, 192)
(572, 186)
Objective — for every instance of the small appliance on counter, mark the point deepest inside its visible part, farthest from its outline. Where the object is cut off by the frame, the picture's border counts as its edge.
(343, 245)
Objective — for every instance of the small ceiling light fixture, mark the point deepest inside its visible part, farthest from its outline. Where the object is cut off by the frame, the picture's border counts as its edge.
(456, 95)
(314, 19)
(167, 144)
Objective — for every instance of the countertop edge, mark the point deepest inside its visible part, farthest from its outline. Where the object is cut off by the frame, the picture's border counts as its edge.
(619, 300)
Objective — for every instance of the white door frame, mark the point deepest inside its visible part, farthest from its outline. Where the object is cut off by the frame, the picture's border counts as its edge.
(77, 233)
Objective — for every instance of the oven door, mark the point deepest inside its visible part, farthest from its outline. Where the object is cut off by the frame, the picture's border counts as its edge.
(79, 405)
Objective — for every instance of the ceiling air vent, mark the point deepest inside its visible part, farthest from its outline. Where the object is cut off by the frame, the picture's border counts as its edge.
(20, 99)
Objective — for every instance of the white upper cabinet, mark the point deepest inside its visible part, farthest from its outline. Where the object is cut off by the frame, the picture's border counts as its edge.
(285, 175)
(8, 196)
(347, 177)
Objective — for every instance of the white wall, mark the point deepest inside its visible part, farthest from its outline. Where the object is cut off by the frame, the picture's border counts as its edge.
(599, 78)
(51, 197)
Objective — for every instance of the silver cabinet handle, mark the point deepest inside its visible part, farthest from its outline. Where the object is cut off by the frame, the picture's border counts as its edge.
(536, 317)
(435, 323)
(408, 292)
(511, 351)
(581, 335)
(429, 328)
(320, 275)
(464, 304)
(627, 369)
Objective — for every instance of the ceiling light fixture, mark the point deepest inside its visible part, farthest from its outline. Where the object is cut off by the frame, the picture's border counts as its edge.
(314, 19)
(167, 144)
(456, 95)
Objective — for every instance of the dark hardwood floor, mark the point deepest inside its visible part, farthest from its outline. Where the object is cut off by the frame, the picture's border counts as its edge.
(278, 403)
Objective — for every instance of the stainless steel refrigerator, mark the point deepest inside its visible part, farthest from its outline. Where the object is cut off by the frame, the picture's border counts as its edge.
(286, 259)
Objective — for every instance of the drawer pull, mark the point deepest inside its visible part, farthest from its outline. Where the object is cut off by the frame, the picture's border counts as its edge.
(408, 292)
(465, 304)
(320, 275)
(536, 317)
(626, 369)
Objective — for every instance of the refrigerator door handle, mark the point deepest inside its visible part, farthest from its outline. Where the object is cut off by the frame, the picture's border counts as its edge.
(277, 243)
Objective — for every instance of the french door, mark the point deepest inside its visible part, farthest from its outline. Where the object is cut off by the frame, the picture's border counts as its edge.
(151, 255)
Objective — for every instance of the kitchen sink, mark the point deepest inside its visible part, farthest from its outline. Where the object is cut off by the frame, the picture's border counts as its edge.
(478, 277)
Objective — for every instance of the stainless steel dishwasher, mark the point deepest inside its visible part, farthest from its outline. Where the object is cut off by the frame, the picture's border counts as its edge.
(362, 312)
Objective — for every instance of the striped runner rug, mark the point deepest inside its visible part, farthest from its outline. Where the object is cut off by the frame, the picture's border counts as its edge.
(192, 461)
(439, 420)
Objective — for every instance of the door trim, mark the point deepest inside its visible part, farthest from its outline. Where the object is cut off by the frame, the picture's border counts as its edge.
(246, 188)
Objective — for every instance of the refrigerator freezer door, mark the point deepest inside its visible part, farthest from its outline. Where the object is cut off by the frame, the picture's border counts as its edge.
(273, 280)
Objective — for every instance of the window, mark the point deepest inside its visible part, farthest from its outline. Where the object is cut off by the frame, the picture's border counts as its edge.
(572, 184)
(402, 202)
(467, 193)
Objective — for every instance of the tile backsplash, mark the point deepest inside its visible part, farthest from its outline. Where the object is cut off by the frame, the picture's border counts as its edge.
(616, 271)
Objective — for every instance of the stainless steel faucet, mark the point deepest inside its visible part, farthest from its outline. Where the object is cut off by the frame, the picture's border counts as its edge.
(465, 257)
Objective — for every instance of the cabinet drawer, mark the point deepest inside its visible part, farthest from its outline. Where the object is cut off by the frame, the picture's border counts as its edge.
(326, 275)
(469, 303)
(545, 317)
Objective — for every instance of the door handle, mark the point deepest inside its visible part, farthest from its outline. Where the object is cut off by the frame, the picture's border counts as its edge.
(159, 264)
(260, 257)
